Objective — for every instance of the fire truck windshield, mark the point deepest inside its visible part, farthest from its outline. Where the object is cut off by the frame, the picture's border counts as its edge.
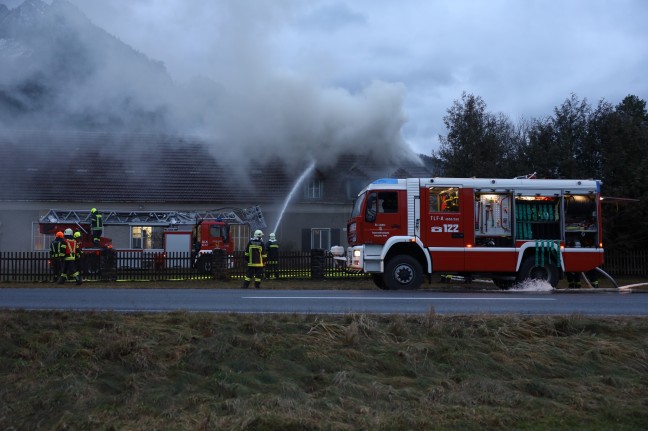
(357, 205)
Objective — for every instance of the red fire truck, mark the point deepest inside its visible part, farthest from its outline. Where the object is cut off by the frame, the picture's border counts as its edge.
(509, 230)
(210, 230)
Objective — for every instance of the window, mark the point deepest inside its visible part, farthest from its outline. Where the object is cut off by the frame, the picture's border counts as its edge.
(314, 189)
(240, 235)
(40, 241)
(353, 186)
(321, 238)
(388, 202)
(444, 199)
(147, 237)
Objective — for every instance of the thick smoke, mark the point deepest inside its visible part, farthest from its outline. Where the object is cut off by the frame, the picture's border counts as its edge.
(226, 83)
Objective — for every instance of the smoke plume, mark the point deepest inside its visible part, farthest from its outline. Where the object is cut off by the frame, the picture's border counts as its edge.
(217, 75)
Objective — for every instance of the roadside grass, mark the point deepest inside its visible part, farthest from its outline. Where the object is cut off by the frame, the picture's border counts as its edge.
(176, 371)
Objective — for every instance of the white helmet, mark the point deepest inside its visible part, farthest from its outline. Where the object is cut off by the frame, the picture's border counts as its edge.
(272, 236)
(68, 232)
(258, 233)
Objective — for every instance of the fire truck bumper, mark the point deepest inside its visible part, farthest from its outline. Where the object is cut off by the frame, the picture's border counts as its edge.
(364, 258)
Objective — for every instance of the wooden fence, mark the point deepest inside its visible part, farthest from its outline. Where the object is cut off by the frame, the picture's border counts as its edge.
(146, 266)
(319, 264)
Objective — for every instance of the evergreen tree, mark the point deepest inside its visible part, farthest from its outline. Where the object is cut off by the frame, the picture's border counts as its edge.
(478, 142)
(624, 136)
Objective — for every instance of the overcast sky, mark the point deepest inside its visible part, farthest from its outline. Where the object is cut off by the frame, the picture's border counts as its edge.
(523, 57)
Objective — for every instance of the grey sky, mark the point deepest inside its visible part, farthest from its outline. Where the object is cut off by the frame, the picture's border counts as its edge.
(523, 57)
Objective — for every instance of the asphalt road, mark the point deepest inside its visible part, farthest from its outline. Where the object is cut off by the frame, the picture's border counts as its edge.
(602, 302)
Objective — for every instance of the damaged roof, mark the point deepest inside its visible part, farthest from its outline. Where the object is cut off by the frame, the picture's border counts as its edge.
(101, 167)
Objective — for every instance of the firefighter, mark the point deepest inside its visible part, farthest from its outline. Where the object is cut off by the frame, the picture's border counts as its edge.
(272, 265)
(96, 225)
(592, 276)
(69, 261)
(573, 278)
(77, 254)
(255, 254)
(56, 255)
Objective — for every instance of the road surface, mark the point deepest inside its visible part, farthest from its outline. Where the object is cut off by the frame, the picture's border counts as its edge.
(610, 302)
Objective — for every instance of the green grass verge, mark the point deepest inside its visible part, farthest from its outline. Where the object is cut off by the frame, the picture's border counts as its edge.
(177, 371)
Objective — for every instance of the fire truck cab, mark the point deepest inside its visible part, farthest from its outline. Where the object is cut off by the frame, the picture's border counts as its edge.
(402, 230)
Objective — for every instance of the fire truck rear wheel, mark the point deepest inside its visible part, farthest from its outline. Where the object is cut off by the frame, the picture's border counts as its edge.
(403, 272)
(546, 272)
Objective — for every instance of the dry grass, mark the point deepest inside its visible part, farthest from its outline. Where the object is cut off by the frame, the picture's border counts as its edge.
(177, 371)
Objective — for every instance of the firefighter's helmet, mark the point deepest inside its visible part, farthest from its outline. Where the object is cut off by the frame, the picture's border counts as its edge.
(59, 234)
(273, 237)
(258, 234)
(93, 210)
(77, 234)
(68, 232)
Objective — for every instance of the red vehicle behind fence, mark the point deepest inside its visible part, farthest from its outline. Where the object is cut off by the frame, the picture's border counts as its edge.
(197, 232)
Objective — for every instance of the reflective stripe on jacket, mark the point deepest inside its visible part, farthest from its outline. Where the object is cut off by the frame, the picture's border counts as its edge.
(255, 253)
(96, 221)
(57, 249)
(70, 247)
(273, 251)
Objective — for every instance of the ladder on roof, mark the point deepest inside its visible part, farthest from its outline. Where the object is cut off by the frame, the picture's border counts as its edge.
(252, 216)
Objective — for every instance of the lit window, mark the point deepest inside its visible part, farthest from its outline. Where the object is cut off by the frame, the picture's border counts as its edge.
(444, 199)
(147, 237)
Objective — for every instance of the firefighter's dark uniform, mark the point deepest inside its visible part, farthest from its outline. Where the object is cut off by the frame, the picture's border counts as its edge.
(573, 278)
(96, 226)
(255, 254)
(57, 253)
(272, 264)
(69, 261)
(79, 251)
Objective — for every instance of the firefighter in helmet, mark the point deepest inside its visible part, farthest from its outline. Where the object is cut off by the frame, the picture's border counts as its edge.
(69, 261)
(96, 226)
(255, 255)
(57, 253)
(77, 255)
(272, 265)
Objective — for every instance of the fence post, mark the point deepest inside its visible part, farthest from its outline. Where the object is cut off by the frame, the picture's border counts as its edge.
(108, 265)
(318, 263)
(219, 264)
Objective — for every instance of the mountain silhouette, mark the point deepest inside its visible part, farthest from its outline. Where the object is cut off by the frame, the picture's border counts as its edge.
(58, 70)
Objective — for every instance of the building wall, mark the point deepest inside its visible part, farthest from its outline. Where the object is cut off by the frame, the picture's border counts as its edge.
(17, 221)
(16, 226)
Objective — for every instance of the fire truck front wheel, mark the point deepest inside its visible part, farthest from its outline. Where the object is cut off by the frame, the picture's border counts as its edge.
(403, 272)
(546, 272)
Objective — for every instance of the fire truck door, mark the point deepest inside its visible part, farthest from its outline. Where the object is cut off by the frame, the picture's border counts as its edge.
(443, 229)
(383, 217)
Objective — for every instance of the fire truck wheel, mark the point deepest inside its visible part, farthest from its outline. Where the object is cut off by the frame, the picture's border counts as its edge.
(546, 272)
(403, 272)
(379, 280)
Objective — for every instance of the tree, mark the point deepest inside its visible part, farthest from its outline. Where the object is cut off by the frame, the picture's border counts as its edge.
(623, 133)
(478, 143)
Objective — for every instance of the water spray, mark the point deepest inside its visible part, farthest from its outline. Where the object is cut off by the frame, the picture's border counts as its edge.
(292, 192)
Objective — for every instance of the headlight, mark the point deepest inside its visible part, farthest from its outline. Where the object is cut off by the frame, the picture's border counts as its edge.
(357, 253)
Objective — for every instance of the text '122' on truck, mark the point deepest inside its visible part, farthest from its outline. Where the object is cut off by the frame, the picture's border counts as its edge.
(402, 231)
